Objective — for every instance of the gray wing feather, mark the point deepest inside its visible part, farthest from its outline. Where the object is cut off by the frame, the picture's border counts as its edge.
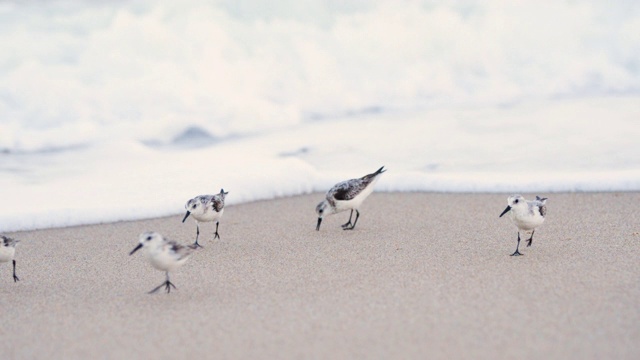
(539, 205)
(8, 242)
(180, 251)
(217, 202)
(543, 210)
(349, 189)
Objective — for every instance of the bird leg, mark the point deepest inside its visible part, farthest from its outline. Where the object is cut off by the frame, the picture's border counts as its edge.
(348, 223)
(530, 239)
(167, 285)
(197, 235)
(517, 253)
(354, 221)
(216, 234)
(15, 278)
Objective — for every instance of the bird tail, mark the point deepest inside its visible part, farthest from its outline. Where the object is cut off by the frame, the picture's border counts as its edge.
(373, 175)
(542, 200)
(380, 171)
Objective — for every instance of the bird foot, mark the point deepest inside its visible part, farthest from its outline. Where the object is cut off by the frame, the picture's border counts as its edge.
(196, 245)
(347, 225)
(216, 236)
(167, 285)
(15, 278)
(516, 253)
(529, 242)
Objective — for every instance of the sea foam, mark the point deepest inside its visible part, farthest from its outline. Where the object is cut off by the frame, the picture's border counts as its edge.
(124, 110)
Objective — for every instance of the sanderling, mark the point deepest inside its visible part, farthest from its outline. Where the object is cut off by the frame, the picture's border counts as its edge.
(347, 195)
(8, 251)
(164, 255)
(526, 215)
(206, 208)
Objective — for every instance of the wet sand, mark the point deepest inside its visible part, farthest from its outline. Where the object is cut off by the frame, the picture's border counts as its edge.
(423, 275)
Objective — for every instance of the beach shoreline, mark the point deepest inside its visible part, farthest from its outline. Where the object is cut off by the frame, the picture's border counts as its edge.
(423, 275)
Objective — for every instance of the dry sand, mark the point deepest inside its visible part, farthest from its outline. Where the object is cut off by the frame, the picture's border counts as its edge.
(422, 276)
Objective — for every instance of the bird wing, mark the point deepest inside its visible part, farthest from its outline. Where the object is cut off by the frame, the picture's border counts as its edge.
(543, 210)
(8, 242)
(217, 202)
(177, 250)
(539, 205)
(347, 190)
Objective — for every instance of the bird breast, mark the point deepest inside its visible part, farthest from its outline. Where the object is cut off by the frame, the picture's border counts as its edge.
(208, 215)
(527, 221)
(7, 253)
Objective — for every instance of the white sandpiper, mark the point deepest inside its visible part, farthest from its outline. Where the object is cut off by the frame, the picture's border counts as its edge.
(526, 215)
(8, 252)
(347, 195)
(164, 255)
(206, 208)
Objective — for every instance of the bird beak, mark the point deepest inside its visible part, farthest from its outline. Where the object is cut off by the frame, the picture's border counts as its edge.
(186, 216)
(505, 210)
(136, 249)
(318, 226)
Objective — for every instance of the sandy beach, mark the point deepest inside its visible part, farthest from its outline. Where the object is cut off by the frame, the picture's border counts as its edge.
(423, 275)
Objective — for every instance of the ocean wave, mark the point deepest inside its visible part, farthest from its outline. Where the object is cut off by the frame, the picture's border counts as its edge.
(85, 72)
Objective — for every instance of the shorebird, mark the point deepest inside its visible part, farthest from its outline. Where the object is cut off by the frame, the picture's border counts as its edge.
(164, 255)
(206, 208)
(526, 215)
(347, 195)
(8, 251)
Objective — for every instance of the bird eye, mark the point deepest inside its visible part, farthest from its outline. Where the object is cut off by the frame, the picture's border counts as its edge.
(321, 211)
(149, 238)
(194, 206)
(516, 201)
